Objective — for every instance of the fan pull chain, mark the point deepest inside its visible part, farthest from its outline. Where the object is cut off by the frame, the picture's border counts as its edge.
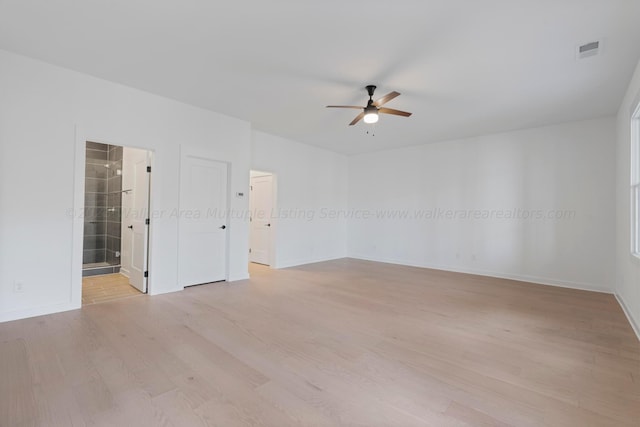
(373, 129)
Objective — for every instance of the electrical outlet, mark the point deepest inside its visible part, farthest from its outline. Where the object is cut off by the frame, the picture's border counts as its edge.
(18, 287)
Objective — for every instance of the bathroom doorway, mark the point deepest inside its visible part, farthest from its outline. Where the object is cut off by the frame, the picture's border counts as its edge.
(116, 222)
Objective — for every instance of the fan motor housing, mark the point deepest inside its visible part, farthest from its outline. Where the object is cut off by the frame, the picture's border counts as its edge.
(370, 90)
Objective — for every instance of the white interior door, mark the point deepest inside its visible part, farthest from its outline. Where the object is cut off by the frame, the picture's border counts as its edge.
(202, 247)
(135, 212)
(261, 205)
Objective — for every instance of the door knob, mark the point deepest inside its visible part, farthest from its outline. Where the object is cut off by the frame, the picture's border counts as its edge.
(267, 225)
(130, 227)
(223, 227)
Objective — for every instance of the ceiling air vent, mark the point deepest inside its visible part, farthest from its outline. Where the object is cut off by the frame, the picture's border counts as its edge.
(588, 49)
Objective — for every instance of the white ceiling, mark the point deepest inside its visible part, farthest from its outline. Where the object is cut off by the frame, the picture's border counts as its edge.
(464, 67)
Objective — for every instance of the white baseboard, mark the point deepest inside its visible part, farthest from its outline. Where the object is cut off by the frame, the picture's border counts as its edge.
(627, 312)
(297, 262)
(518, 277)
(236, 277)
(37, 311)
(164, 291)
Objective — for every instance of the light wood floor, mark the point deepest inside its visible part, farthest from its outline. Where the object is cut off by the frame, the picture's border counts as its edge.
(341, 343)
(106, 287)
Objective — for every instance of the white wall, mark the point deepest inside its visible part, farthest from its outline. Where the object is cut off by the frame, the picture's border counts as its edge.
(40, 107)
(569, 167)
(311, 185)
(627, 266)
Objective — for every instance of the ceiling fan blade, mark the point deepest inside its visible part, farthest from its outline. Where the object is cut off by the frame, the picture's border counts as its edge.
(388, 97)
(344, 106)
(357, 119)
(394, 112)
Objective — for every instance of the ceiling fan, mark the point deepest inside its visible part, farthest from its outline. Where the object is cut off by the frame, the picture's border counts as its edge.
(370, 112)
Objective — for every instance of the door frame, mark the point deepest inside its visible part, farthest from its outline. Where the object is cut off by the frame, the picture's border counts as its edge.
(273, 237)
(215, 157)
(81, 138)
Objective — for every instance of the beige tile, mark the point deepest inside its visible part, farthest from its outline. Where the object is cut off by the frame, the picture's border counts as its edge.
(108, 287)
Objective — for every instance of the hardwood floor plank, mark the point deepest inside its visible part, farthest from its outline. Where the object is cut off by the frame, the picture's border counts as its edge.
(57, 407)
(93, 396)
(17, 401)
(179, 409)
(294, 405)
(472, 416)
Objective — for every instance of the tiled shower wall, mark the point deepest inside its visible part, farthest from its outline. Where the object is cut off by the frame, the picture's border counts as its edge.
(114, 204)
(103, 194)
(95, 202)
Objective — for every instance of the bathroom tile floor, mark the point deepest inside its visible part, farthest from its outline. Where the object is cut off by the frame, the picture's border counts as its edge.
(96, 289)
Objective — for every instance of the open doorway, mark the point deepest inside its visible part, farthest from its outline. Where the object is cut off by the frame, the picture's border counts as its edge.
(262, 230)
(116, 222)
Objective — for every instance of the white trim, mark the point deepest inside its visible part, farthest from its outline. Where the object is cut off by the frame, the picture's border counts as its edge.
(634, 177)
(627, 313)
(75, 297)
(238, 277)
(37, 311)
(275, 226)
(517, 277)
(304, 261)
(634, 201)
(165, 291)
(150, 234)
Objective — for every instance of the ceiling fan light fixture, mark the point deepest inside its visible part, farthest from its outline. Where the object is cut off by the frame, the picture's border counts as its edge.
(370, 115)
